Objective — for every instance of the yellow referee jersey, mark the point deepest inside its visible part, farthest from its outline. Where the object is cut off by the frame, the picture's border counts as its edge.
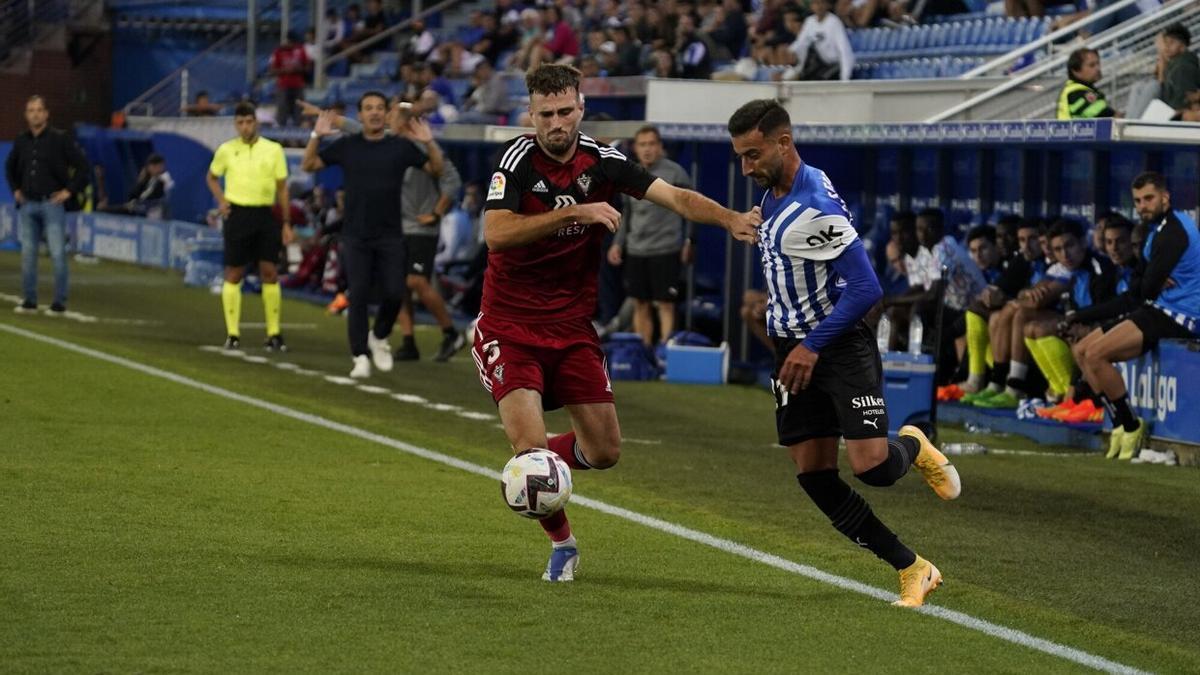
(250, 170)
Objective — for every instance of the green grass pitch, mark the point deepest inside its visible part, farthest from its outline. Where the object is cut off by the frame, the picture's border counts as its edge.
(148, 526)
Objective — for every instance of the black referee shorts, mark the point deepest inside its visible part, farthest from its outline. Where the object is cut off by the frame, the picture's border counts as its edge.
(653, 277)
(251, 235)
(844, 397)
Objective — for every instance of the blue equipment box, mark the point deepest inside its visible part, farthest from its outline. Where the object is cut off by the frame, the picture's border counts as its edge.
(907, 388)
(698, 365)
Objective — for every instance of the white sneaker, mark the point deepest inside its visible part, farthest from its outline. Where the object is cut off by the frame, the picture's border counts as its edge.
(381, 353)
(362, 367)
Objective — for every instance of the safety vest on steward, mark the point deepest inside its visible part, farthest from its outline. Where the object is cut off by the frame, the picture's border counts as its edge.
(1078, 101)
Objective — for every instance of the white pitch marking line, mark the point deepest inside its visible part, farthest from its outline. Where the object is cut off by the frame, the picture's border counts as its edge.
(249, 358)
(478, 416)
(410, 398)
(443, 407)
(284, 365)
(372, 389)
(338, 379)
(1005, 633)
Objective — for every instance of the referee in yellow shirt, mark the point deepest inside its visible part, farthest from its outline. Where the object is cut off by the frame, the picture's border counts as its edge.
(255, 173)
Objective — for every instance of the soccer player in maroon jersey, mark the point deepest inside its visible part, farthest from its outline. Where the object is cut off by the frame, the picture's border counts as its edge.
(547, 211)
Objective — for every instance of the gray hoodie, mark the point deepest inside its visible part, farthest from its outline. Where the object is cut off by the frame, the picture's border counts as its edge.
(649, 229)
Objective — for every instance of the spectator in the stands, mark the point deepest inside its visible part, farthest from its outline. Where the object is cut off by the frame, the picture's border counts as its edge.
(434, 109)
(498, 39)
(589, 66)
(593, 40)
(202, 106)
(625, 58)
(289, 64)
(641, 24)
(420, 43)
(311, 48)
(374, 22)
(1104, 23)
(474, 30)
(456, 62)
(487, 100)
(1036, 8)
(663, 63)
(507, 12)
(533, 35)
(729, 29)
(1079, 98)
(822, 49)
(861, 13)
(335, 30)
(562, 44)
(1178, 67)
(428, 75)
(694, 50)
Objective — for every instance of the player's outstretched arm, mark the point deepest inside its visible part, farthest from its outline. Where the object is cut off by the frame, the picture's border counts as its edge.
(696, 207)
(505, 229)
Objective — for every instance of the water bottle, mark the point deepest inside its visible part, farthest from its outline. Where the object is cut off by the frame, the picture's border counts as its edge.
(916, 333)
(977, 428)
(963, 449)
(883, 333)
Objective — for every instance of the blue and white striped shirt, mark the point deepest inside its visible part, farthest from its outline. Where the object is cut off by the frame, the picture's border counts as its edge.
(801, 236)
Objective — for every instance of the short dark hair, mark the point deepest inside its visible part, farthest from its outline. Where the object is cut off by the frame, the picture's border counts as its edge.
(765, 114)
(907, 220)
(244, 109)
(934, 217)
(202, 93)
(1075, 61)
(1112, 220)
(1009, 220)
(155, 158)
(372, 94)
(648, 129)
(552, 78)
(1154, 178)
(1032, 224)
(1065, 226)
(1179, 32)
(981, 232)
(37, 97)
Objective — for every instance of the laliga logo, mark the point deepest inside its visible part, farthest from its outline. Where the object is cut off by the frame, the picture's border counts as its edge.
(1150, 391)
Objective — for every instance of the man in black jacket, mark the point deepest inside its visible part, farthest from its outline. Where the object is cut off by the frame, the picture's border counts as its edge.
(44, 170)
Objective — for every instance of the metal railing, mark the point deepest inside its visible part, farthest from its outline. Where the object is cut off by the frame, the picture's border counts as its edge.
(1127, 55)
(1001, 64)
(223, 67)
(322, 61)
(169, 96)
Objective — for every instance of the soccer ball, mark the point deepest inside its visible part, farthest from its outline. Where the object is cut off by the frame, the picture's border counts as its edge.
(536, 483)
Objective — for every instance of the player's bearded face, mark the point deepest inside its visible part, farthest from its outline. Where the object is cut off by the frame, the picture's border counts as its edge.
(760, 157)
(556, 119)
(1151, 203)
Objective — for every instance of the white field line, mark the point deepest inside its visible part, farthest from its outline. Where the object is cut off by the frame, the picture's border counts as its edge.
(998, 631)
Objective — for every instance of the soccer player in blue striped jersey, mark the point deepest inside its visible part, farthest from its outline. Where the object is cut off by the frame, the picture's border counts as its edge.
(828, 373)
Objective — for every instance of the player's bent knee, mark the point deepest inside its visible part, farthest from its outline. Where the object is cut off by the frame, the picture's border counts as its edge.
(878, 476)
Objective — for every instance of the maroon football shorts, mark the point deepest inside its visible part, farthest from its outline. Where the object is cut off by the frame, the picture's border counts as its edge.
(562, 360)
